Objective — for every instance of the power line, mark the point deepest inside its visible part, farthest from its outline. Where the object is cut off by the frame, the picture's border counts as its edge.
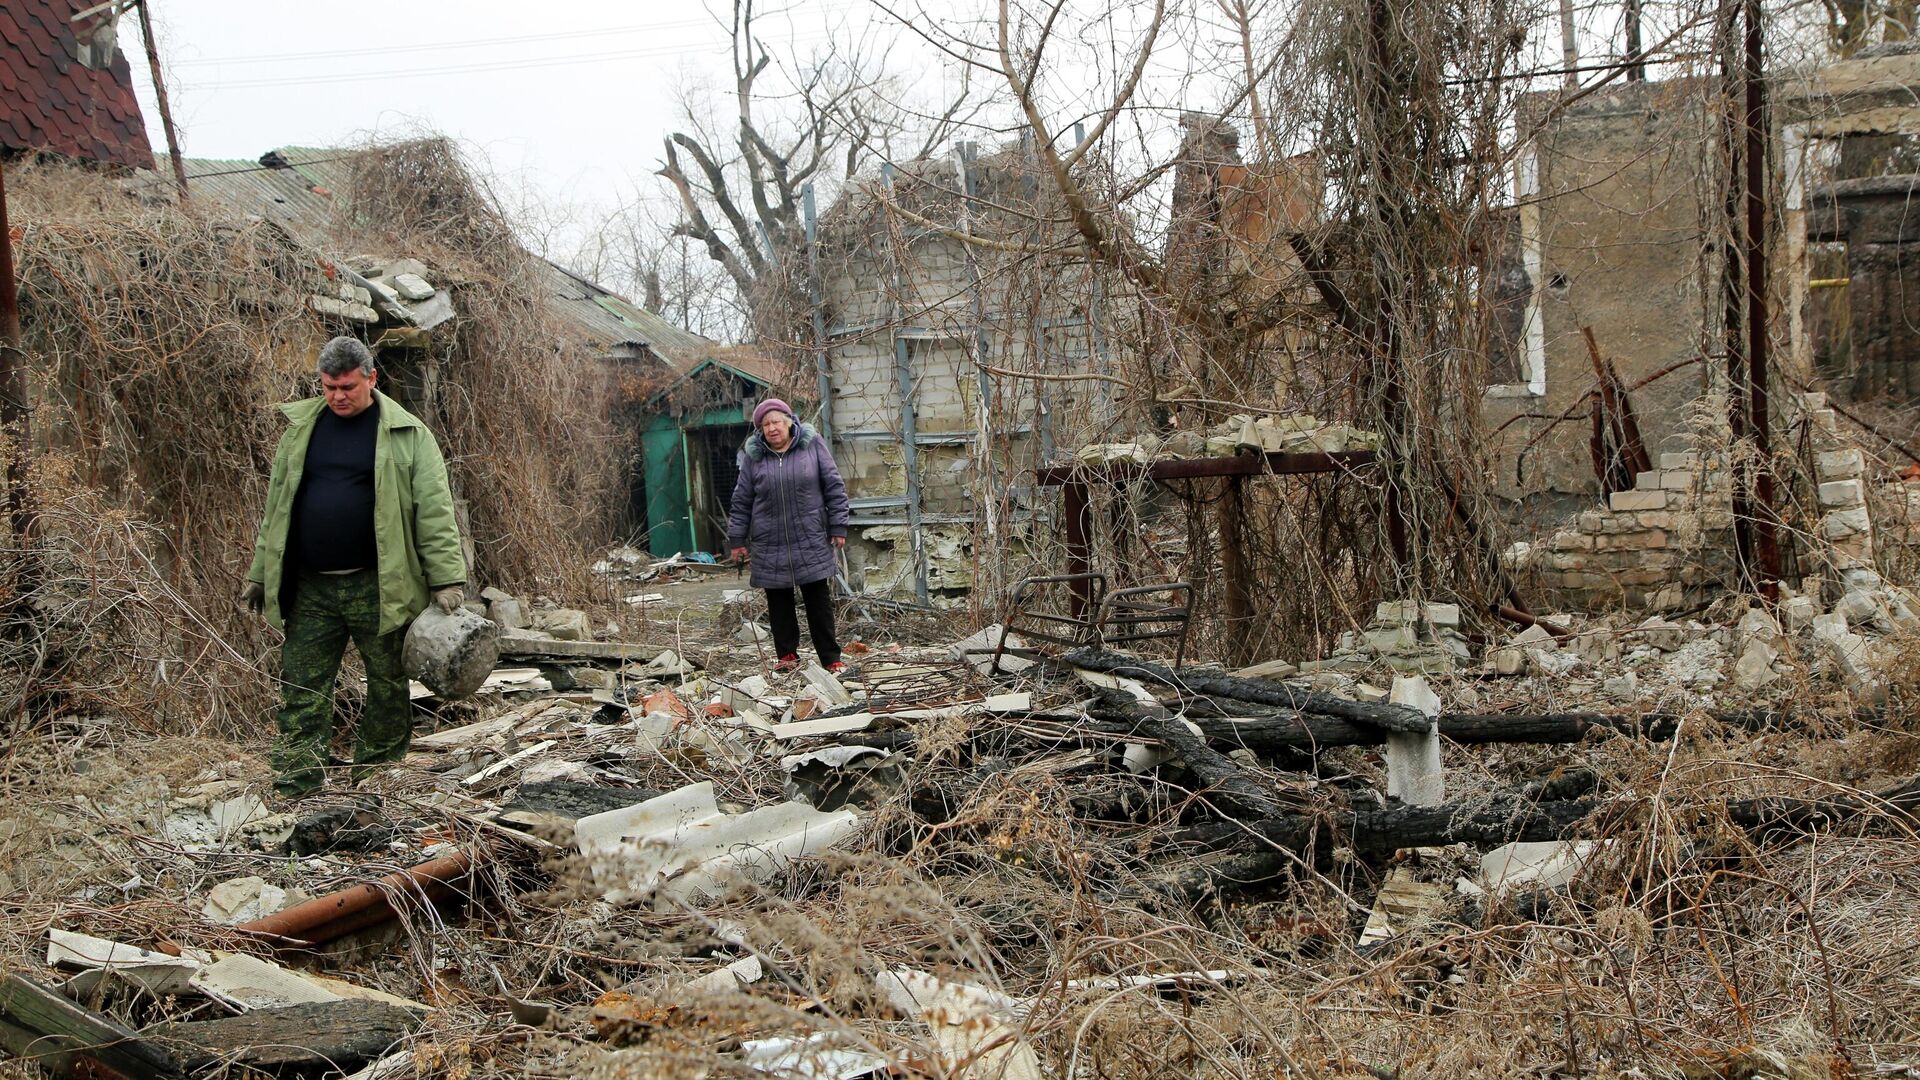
(387, 50)
(474, 43)
(469, 69)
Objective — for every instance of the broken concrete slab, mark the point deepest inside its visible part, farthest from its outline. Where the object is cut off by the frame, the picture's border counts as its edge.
(741, 972)
(245, 982)
(1541, 864)
(244, 899)
(520, 643)
(1511, 658)
(977, 650)
(973, 1026)
(829, 687)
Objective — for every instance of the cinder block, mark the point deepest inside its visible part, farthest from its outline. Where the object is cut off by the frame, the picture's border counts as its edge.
(1838, 464)
(1687, 461)
(1842, 524)
(1647, 481)
(1843, 493)
(1637, 500)
(1679, 480)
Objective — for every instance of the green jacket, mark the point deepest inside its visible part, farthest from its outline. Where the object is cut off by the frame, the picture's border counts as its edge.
(413, 523)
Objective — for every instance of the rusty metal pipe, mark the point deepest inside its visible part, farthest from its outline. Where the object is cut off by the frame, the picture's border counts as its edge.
(1561, 634)
(298, 922)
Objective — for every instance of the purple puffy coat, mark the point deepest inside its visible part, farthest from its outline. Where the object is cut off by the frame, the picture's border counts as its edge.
(785, 508)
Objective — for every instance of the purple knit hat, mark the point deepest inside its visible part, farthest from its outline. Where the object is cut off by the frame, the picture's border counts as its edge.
(772, 404)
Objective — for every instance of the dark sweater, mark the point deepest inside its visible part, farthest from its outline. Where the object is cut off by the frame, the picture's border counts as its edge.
(333, 512)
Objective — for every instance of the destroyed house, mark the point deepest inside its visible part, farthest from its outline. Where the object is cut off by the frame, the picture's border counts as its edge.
(925, 339)
(299, 189)
(65, 86)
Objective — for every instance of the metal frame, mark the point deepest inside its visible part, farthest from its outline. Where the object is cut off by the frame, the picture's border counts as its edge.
(1130, 610)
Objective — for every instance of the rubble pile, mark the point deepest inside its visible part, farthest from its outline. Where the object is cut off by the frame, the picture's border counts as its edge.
(975, 857)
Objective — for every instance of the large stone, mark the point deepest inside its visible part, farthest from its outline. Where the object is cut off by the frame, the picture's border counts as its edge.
(1799, 613)
(503, 609)
(1848, 651)
(1838, 464)
(452, 653)
(1755, 625)
(411, 286)
(567, 624)
(1754, 669)
(1841, 524)
(1661, 634)
(1511, 658)
(1843, 493)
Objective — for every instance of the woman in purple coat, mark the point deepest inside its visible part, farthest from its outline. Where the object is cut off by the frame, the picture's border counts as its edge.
(789, 518)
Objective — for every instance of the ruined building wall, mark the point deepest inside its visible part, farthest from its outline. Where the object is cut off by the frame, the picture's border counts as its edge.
(909, 306)
(1611, 202)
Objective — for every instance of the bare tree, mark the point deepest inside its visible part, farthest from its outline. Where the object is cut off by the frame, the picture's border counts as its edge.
(740, 181)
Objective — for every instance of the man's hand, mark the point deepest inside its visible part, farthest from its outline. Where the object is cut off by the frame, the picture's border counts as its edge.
(255, 597)
(450, 598)
(838, 541)
(739, 554)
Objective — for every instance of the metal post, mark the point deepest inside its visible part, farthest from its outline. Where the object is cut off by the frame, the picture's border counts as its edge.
(821, 366)
(15, 417)
(1078, 509)
(909, 425)
(1766, 549)
(160, 95)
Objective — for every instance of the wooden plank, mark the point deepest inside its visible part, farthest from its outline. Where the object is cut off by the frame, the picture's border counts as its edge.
(59, 1029)
(325, 1034)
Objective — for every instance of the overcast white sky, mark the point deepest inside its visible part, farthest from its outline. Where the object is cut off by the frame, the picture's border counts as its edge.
(571, 98)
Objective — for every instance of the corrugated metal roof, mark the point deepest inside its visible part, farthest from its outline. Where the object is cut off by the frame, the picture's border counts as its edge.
(301, 198)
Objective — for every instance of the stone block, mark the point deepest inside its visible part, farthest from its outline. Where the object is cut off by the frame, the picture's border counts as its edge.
(1637, 500)
(1661, 634)
(1798, 612)
(1756, 625)
(1571, 540)
(1679, 481)
(1843, 493)
(567, 624)
(1659, 519)
(1854, 552)
(1838, 464)
(1592, 522)
(1647, 481)
(1687, 461)
(1841, 524)
(1754, 668)
(1396, 611)
(1443, 614)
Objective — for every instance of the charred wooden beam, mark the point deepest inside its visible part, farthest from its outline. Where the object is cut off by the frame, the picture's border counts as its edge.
(1381, 715)
(1227, 785)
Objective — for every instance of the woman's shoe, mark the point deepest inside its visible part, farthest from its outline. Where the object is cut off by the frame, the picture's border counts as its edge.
(787, 662)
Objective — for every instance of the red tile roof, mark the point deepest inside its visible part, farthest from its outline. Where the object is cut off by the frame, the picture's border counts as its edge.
(51, 101)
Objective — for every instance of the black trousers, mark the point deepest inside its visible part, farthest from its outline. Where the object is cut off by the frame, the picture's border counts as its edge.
(786, 627)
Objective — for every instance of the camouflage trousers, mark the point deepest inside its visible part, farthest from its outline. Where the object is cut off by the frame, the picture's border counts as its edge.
(327, 610)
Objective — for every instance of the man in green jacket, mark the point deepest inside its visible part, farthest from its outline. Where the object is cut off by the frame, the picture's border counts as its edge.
(358, 533)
